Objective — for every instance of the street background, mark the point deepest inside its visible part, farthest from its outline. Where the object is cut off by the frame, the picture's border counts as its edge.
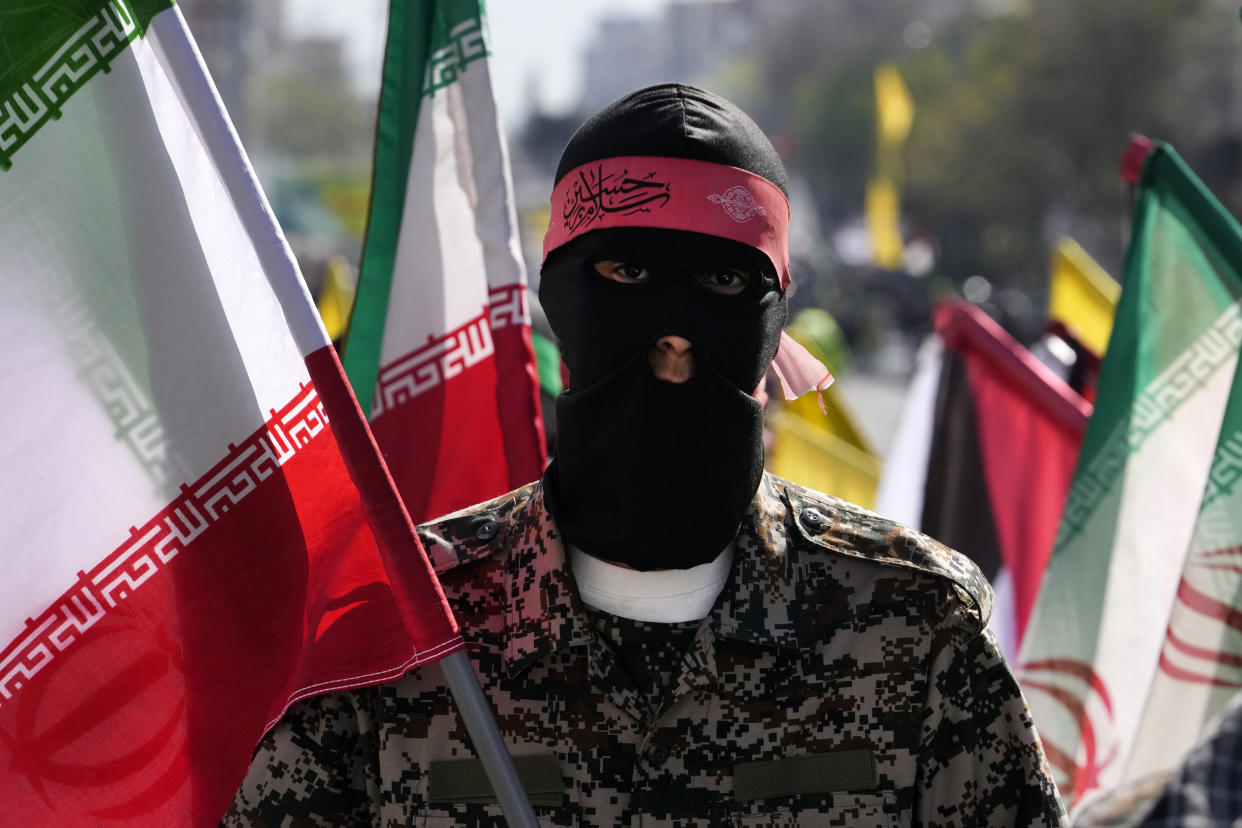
(1020, 114)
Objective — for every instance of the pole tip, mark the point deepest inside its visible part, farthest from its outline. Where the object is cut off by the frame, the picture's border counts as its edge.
(1136, 152)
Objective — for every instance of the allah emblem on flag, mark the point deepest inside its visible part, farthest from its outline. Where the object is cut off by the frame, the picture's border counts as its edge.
(738, 203)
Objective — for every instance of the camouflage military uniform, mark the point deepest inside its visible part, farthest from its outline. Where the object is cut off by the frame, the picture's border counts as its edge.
(844, 677)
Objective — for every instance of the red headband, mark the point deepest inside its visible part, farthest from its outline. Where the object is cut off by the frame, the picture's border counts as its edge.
(674, 194)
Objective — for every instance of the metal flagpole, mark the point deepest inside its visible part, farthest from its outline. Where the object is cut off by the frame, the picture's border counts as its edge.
(181, 58)
(488, 743)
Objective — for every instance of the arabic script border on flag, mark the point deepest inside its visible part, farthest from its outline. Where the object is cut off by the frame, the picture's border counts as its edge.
(447, 356)
(103, 36)
(150, 548)
(1214, 348)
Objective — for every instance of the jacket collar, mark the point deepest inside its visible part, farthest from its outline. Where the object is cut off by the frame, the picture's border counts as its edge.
(761, 602)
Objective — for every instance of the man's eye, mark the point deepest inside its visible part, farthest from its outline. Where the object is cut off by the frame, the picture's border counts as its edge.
(727, 281)
(623, 272)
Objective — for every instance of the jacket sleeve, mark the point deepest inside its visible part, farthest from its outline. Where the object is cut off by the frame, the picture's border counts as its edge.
(317, 767)
(980, 760)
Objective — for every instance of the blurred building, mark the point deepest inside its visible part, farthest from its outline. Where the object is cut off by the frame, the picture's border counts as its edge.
(689, 41)
(234, 36)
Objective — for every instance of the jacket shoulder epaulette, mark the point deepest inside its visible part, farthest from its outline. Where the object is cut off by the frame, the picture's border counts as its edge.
(839, 526)
(472, 533)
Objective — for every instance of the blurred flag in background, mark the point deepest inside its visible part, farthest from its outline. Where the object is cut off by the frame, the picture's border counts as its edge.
(894, 116)
(1136, 639)
(1081, 295)
(1082, 299)
(198, 530)
(336, 296)
(983, 456)
(825, 450)
(439, 347)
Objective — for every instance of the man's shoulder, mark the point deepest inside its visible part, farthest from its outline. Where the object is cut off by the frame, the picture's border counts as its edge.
(473, 533)
(830, 529)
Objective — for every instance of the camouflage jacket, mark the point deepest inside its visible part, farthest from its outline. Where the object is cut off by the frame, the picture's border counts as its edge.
(844, 677)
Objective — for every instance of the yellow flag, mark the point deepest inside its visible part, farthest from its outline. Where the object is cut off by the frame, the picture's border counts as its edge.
(883, 217)
(894, 115)
(828, 453)
(1082, 295)
(336, 296)
(894, 110)
(808, 453)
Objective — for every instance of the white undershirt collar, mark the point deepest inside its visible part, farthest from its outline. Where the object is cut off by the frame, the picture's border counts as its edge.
(666, 596)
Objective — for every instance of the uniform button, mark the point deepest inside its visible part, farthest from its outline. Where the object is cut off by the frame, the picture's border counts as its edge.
(813, 519)
(657, 754)
(487, 530)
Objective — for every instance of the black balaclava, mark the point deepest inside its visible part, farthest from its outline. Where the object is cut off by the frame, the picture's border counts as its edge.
(648, 473)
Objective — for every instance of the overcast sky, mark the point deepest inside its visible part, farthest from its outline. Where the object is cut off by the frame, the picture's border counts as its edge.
(536, 43)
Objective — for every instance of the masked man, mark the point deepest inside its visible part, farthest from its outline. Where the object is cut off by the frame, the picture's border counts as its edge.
(668, 635)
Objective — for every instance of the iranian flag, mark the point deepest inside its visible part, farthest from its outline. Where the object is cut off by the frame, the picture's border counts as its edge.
(439, 346)
(198, 529)
(1136, 639)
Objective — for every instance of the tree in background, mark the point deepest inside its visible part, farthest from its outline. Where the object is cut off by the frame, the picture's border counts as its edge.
(1022, 112)
(304, 105)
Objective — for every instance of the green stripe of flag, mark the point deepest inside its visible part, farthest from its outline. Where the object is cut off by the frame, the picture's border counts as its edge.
(417, 31)
(409, 26)
(1194, 203)
(1183, 232)
(48, 51)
